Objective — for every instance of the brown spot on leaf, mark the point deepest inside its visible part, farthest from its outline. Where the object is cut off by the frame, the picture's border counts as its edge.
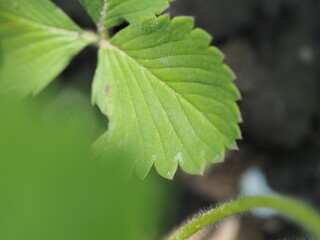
(106, 89)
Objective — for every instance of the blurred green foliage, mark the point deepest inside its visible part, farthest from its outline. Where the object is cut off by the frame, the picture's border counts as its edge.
(52, 190)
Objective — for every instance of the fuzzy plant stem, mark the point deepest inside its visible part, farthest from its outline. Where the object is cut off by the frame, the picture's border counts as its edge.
(295, 210)
(103, 33)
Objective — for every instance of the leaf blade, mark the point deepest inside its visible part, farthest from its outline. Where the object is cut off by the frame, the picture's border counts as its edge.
(180, 111)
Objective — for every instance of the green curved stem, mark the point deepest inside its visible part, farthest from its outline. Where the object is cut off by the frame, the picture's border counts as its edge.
(295, 210)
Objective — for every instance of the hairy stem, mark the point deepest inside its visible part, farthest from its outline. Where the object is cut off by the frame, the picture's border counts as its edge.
(100, 26)
(295, 210)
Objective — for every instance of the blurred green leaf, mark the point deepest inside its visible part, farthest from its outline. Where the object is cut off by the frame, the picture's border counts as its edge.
(52, 189)
(37, 41)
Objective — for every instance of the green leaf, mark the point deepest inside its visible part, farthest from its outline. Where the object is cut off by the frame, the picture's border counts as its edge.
(37, 41)
(114, 12)
(166, 90)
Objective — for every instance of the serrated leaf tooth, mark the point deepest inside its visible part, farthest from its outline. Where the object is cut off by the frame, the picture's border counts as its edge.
(143, 168)
(182, 22)
(232, 145)
(219, 157)
(216, 52)
(167, 171)
(199, 33)
(229, 72)
(197, 169)
(236, 92)
(239, 118)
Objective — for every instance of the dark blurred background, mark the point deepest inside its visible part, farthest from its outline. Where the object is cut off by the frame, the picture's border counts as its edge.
(273, 47)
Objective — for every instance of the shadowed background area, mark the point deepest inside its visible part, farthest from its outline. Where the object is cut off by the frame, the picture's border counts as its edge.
(273, 47)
